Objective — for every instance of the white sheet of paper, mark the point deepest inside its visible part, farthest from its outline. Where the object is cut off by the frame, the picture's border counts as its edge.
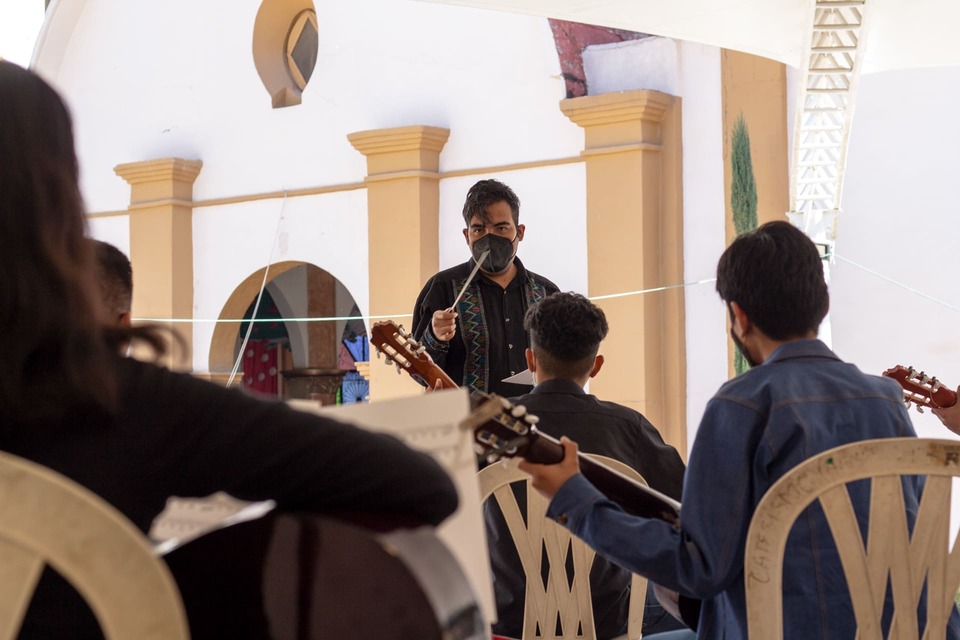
(524, 377)
(430, 422)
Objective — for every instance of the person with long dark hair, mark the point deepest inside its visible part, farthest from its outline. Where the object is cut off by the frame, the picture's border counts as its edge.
(132, 432)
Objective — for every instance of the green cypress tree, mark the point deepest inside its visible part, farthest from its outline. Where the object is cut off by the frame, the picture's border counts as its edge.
(743, 197)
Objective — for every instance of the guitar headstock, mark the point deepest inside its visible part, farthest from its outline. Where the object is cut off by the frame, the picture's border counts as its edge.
(500, 428)
(400, 349)
(921, 389)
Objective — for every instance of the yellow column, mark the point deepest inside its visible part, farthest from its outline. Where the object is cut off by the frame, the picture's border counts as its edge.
(161, 244)
(403, 208)
(632, 151)
(757, 88)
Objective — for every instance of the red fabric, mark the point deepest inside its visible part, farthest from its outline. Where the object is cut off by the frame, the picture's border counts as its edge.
(260, 370)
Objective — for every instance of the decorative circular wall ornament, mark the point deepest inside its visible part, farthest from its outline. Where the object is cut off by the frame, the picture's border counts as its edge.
(285, 47)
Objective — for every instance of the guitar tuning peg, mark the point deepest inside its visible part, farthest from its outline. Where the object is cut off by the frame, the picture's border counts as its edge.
(388, 360)
(919, 409)
(397, 365)
(421, 349)
(518, 411)
(378, 353)
(531, 419)
(401, 330)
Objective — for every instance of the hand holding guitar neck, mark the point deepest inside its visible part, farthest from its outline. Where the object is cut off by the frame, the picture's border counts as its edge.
(504, 430)
(407, 354)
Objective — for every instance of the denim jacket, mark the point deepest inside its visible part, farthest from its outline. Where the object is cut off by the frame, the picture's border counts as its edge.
(803, 400)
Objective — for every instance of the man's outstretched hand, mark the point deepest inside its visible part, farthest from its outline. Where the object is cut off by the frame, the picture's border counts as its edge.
(548, 478)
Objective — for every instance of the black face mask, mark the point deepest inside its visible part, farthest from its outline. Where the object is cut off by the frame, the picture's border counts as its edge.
(742, 349)
(501, 253)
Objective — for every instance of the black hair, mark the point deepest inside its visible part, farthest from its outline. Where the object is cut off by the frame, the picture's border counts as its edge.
(565, 331)
(116, 277)
(56, 349)
(775, 274)
(485, 193)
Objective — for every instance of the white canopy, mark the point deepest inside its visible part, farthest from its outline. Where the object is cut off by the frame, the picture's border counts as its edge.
(900, 33)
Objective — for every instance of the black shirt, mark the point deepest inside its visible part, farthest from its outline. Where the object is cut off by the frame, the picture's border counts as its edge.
(490, 342)
(604, 428)
(177, 435)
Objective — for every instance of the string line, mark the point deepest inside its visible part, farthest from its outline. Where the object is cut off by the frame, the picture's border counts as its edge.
(394, 315)
(897, 283)
(263, 286)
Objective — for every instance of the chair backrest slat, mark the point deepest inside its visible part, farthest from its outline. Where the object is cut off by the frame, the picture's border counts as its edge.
(906, 561)
(570, 603)
(46, 518)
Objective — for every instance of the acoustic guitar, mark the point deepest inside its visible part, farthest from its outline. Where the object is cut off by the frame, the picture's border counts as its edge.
(288, 576)
(920, 389)
(502, 430)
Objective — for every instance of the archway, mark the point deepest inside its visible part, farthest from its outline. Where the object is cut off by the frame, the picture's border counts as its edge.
(321, 327)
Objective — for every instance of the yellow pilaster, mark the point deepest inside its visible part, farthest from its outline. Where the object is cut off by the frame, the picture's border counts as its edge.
(756, 88)
(403, 208)
(161, 244)
(633, 159)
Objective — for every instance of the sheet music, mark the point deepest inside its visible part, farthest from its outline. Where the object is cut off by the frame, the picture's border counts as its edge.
(430, 423)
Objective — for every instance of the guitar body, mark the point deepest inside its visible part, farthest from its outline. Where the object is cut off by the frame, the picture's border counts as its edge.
(304, 577)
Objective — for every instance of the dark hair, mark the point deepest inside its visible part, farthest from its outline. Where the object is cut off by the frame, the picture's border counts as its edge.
(776, 276)
(115, 276)
(55, 353)
(488, 192)
(565, 331)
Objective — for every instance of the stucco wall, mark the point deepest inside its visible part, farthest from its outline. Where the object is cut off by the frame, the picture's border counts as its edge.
(187, 87)
(900, 220)
(691, 71)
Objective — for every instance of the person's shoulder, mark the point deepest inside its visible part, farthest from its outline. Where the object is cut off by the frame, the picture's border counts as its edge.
(546, 283)
(461, 270)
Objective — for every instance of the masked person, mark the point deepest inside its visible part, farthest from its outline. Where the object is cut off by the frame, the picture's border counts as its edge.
(481, 341)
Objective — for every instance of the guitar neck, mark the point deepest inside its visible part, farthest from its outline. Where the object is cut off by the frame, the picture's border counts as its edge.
(434, 375)
(633, 497)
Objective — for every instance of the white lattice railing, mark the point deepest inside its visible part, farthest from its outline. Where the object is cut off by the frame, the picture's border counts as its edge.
(832, 60)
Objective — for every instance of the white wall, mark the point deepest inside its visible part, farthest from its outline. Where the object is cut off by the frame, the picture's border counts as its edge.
(112, 229)
(553, 204)
(187, 86)
(184, 84)
(704, 231)
(900, 220)
(692, 72)
(328, 231)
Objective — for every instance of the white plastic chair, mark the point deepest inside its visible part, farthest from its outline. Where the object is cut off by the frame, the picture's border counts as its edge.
(891, 550)
(46, 518)
(570, 601)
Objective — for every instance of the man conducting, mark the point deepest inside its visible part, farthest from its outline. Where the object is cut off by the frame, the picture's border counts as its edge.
(480, 341)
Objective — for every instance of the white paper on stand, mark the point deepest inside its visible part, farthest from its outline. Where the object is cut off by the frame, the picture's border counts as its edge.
(524, 377)
(431, 423)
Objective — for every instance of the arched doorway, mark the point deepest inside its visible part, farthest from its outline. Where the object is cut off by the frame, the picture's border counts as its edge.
(307, 325)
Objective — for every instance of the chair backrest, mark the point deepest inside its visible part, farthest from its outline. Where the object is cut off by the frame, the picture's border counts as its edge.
(908, 558)
(48, 519)
(568, 599)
